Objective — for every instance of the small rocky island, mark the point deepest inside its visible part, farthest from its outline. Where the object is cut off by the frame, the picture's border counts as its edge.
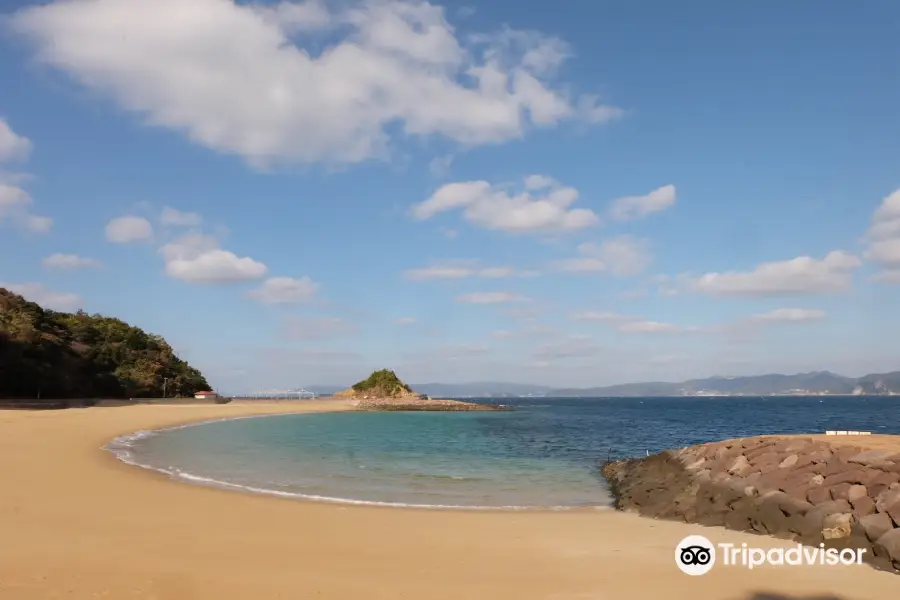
(384, 391)
(809, 489)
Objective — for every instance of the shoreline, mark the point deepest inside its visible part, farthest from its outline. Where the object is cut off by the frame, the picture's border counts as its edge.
(79, 523)
(198, 480)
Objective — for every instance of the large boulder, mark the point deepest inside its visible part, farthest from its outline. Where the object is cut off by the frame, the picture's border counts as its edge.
(888, 546)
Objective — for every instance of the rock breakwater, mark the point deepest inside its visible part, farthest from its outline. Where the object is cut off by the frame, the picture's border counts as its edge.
(421, 404)
(798, 488)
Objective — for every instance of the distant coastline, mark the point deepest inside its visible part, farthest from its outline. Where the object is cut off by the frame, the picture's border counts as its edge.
(816, 383)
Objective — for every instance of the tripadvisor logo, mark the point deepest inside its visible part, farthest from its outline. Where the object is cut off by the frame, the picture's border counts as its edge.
(696, 555)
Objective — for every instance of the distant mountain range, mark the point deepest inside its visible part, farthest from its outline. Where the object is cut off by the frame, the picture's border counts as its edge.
(818, 382)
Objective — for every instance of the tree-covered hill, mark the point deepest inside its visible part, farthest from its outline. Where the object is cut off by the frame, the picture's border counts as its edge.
(48, 354)
(382, 384)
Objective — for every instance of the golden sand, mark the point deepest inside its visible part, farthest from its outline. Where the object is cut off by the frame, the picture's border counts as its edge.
(76, 523)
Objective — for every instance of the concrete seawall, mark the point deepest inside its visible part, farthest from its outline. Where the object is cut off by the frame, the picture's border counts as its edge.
(845, 494)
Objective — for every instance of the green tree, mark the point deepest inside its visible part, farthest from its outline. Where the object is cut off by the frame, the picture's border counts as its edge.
(52, 355)
(383, 383)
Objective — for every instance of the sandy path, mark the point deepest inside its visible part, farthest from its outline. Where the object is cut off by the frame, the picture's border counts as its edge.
(75, 523)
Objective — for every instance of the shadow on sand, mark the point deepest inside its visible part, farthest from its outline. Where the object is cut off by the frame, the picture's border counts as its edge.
(778, 596)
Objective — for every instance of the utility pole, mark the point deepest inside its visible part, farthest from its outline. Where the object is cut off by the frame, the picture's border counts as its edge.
(165, 381)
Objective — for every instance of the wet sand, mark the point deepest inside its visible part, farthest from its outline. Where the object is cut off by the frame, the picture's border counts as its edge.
(76, 523)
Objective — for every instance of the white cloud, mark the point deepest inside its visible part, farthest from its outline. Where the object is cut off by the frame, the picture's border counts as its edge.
(635, 207)
(627, 324)
(440, 166)
(888, 210)
(889, 276)
(129, 229)
(621, 256)
(12, 145)
(315, 328)
(15, 203)
(497, 272)
(177, 218)
(801, 275)
(47, 298)
(490, 298)
(461, 270)
(584, 264)
(405, 321)
(493, 207)
(501, 334)
(668, 292)
(524, 313)
(538, 182)
(653, 327)
(886, 251)
(285, 290)
(14, 207)
(601, 316)
(249, 79)
(296, 16)
(883, 238)
(791, 315)
(751, 326)
(197, 258)
(69, 262)
(37, 224)
(438, 272)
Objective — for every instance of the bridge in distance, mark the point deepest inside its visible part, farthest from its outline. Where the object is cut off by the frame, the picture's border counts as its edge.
(280, 394)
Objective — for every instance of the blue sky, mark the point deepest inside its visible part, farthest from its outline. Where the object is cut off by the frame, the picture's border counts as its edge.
(584, 194)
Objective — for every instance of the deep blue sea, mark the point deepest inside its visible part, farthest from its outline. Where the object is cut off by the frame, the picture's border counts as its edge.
(545, 454)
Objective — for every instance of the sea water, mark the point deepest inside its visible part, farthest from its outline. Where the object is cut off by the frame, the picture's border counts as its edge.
(545, 454)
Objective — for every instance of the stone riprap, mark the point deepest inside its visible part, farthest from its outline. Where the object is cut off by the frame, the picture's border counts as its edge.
(431, 404)
(797, 488)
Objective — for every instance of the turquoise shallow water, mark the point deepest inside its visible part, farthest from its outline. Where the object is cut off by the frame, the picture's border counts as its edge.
(427, 459)
(544, 454)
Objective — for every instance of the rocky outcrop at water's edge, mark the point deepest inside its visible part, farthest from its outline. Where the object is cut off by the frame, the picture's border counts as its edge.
(798, 488)
(423, 404)
(384, 391)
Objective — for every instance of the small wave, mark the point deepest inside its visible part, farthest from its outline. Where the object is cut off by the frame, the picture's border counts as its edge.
(128, 440)
(199, 479)
(178, 474)
(121, 446)
(447, 477)
(137, 435)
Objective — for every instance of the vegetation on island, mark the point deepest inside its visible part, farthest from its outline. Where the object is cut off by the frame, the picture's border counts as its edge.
(382, 384)
(48, 354)
(384, 391)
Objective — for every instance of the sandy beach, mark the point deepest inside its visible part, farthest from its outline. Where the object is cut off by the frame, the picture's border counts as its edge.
(77, 523)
